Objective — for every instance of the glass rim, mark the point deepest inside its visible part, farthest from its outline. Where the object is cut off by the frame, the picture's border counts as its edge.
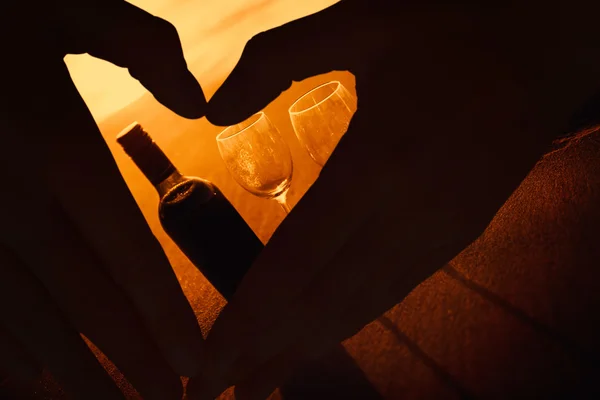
(336, 82)
(224, 134)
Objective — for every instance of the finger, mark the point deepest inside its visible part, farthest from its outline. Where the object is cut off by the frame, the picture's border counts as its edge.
(99, 203)
(15, 360)
(29, 314)
(73, 274)
(272, 60)
(129, 37)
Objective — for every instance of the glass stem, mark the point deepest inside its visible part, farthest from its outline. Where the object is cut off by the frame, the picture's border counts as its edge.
(282, 200)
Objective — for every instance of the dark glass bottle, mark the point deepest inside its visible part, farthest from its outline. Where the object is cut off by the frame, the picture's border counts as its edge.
(196, 215)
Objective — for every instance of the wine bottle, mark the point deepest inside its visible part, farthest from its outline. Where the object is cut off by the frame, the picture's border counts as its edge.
(196, 215)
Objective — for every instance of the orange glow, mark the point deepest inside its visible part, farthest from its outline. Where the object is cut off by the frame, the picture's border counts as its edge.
(213, 34)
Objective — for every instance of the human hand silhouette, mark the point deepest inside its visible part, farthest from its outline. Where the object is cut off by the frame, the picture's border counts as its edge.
(76, 254)
(456, 103)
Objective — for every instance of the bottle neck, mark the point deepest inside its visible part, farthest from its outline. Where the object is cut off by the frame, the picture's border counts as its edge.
(154, 164)
(169, 182)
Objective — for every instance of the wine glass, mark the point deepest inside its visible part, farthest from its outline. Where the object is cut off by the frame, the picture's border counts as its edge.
(321, 117)
(258, 158)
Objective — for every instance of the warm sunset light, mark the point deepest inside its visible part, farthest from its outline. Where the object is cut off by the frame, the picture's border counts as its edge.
(213, 33)
(294, 230)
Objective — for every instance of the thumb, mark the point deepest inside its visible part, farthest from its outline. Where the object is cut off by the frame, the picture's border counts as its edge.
(129, 37)
(272, 60)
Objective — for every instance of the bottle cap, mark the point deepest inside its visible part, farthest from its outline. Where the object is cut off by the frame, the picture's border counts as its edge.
(134, 138)
(145, 153)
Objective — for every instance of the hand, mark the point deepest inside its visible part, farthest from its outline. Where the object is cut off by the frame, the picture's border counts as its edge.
(455, 106)
(76, 255)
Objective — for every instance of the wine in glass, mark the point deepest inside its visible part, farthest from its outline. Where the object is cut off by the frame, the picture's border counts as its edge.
(321, 117)
(258, 158)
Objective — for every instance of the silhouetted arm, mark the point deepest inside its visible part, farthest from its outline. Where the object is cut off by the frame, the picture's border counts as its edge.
(456, 104)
